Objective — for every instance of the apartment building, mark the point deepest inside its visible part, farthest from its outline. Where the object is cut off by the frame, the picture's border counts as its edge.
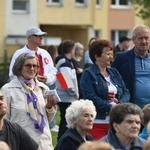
(78, 20)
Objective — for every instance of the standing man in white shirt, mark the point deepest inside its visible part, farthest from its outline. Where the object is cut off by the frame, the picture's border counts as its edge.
(47, 73)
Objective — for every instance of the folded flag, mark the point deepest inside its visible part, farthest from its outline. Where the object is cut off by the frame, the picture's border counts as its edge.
(65, 80)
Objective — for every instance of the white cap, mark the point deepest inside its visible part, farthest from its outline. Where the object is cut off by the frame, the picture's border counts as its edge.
(34, 31)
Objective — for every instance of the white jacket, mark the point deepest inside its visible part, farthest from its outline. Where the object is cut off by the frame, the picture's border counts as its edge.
(15, 97)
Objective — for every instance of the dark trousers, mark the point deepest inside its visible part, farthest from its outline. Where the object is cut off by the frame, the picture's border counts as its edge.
(63, 123)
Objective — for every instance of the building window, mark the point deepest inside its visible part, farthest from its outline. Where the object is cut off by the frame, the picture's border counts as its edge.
(97, 33)
(115, 34)
(55, 2)
(120, 3)
(81, 3)
(98, 3)
(20, 6)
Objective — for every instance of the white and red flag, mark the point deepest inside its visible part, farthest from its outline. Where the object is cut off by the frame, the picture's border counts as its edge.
(65, 80)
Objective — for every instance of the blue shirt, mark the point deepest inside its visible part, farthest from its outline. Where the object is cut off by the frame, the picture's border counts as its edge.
(144, 134)
(142, 80)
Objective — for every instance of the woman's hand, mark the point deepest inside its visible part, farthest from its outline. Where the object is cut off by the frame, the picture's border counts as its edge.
(112, 98)
(51, 101)
(79, 70)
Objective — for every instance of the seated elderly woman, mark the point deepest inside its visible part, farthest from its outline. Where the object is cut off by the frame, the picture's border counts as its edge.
(26, 100)
(125, 123)
(79, 116)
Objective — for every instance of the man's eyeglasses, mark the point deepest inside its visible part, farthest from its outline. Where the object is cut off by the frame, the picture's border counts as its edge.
(29, 66)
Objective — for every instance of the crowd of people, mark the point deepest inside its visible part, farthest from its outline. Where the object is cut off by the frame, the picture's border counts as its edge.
(102, 95)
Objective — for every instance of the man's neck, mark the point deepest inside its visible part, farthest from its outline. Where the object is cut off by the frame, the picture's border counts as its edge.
(141, 54)
(120, 46)
(123, 140)
(69, 56)
(32, 47)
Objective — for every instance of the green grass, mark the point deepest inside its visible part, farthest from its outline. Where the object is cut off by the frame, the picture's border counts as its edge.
(54, 134)
(54, 138)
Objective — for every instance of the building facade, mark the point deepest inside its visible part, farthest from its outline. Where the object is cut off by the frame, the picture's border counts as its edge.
(78, 20)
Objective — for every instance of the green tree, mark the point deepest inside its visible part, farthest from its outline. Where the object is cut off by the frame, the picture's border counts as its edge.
(142, 7)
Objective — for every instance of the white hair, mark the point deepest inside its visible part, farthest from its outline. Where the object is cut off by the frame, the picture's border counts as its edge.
(76, 109)
(136, 28)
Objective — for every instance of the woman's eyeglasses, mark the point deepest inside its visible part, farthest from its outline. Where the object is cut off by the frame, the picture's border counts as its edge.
(29, 66)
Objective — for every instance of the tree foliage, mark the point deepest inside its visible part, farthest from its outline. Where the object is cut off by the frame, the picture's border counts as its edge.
(143, 8)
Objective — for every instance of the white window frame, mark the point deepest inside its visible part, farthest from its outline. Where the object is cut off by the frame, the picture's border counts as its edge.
(84, 4)
(118, 6)
(98, 3)
(116, 40)
(21, 10)
(52, 3)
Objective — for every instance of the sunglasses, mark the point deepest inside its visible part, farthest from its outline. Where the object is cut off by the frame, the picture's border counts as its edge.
(29, 66)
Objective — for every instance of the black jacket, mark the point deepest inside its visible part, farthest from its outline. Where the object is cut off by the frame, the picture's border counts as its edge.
(71, 140)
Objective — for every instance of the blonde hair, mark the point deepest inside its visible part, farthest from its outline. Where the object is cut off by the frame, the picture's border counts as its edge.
(4, 146)
(95, 145)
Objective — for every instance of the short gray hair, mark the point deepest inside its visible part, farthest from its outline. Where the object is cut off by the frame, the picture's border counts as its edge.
(76, 109)
(120, 111)
(136, 28)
